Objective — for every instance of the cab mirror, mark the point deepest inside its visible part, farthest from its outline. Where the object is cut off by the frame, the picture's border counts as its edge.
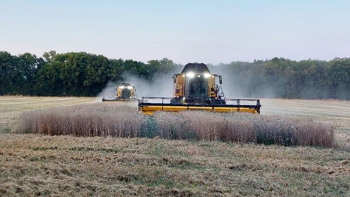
(220, 79)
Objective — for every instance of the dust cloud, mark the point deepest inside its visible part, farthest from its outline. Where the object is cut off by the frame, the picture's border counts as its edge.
(109, 91)
(251, 84)
(248, 83)
(161, 85)
(234, 86)
(239, 86)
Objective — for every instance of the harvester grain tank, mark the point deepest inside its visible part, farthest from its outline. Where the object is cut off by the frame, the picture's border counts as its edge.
(124, 92)
(195, 88)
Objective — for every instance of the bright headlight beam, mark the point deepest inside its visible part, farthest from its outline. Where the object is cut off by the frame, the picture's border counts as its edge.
(122, 87)
(129, 87)
(207, 75)
(190, 75)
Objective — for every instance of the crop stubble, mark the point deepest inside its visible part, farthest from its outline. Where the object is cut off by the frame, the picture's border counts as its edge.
(84, 166)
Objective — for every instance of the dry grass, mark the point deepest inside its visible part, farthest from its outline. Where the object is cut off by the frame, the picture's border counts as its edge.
(245, 128)
(326, 111)
(95, 166)
(12, 106)
(99, 119)
(35, 165)
(104, 119)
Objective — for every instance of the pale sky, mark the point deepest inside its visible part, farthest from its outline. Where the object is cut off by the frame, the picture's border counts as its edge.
(184, 31)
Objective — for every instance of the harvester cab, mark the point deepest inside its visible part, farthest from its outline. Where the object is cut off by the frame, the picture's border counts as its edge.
(124, 92)
(195, 88)
(196, 85)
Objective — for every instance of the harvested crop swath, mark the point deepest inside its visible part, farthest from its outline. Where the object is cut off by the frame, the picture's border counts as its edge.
(125, 121)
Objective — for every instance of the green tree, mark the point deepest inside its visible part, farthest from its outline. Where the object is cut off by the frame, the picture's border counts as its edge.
(29, 65)
(8, 73)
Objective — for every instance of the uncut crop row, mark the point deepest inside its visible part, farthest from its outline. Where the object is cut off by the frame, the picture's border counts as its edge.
(103, 119)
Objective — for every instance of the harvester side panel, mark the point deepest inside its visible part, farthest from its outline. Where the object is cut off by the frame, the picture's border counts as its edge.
(212, 87)
(179, 88)
(119, 92)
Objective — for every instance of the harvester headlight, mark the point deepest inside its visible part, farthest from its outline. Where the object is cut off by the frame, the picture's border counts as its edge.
(122, 87)
(207, 75)
(129, 87)
(190, 75)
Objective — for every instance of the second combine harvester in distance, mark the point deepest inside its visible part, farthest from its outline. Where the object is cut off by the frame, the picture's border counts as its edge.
(195, 88)
(124, 92)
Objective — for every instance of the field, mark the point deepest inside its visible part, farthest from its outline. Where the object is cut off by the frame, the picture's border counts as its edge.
(104, 166)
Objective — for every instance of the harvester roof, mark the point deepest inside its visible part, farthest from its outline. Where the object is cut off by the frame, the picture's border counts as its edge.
(126, 84)
(195, 68)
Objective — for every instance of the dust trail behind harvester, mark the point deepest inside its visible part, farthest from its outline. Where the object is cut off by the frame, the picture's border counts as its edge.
(234, 85)
(240, 86)
(160, 86)
(109, 90)
(255, 81)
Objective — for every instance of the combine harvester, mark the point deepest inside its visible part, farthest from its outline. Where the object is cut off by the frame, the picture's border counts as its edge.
(195, 88)
(125, 92)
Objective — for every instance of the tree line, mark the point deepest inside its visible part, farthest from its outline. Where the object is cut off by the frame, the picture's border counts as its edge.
(283, 78)
(84, 74)
(69, 74)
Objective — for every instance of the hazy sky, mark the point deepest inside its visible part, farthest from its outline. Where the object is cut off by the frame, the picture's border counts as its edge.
(185, 31)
